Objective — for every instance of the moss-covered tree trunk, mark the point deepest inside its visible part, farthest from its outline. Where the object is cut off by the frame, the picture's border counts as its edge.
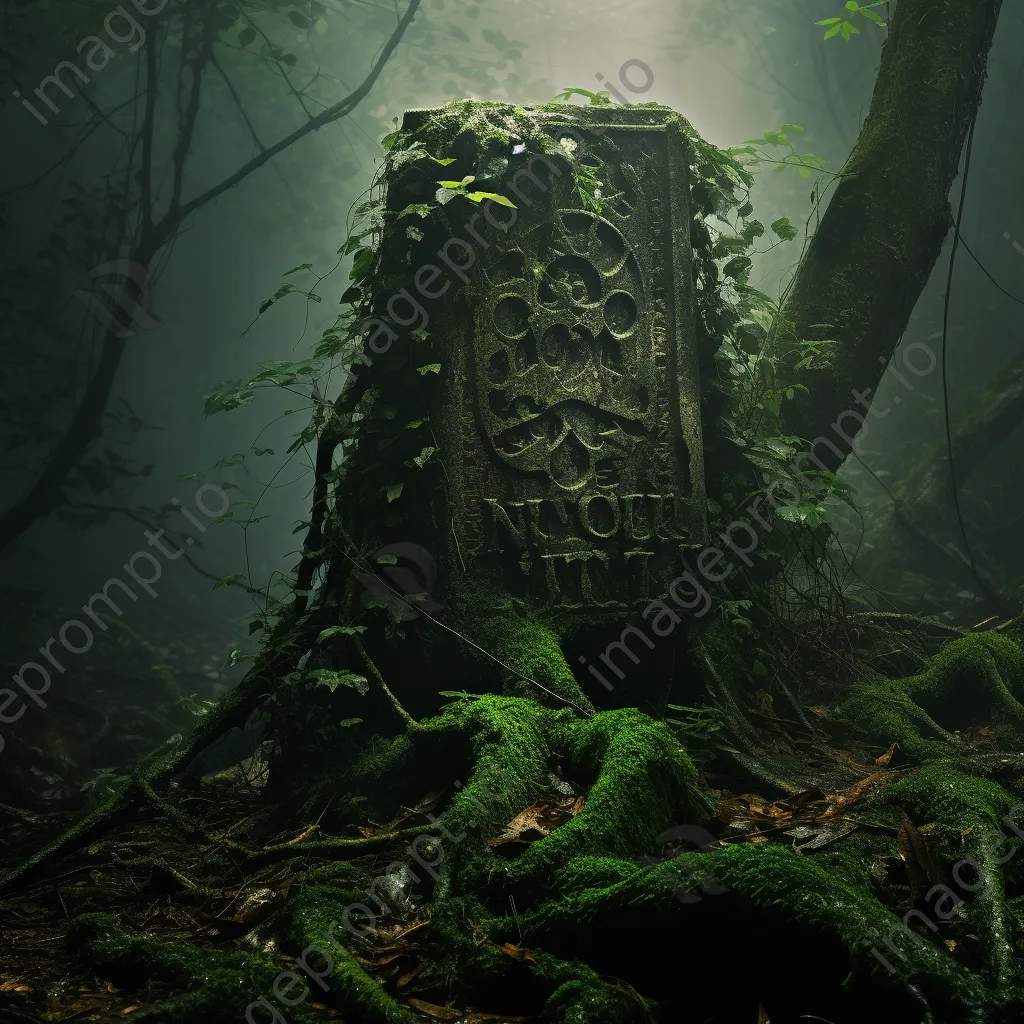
(884, 227)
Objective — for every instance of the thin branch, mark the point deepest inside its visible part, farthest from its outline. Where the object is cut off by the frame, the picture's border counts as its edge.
(297, 93)
(332, 113)
(148, 126)
(137, 517)
(187, 128)
(238, 102)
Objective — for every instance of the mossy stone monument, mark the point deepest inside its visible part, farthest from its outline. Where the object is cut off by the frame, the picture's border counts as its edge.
(533, 300)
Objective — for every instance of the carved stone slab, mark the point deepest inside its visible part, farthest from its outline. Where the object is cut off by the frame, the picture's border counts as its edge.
(579, 471)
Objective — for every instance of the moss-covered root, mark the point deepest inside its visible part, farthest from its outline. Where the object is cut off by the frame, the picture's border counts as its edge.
(646, 783)
(706, 901)
(189, 985)
(977, 676)
(583, 997)
(969, 835)
(204, 986)
(539, 669)
(316, 928)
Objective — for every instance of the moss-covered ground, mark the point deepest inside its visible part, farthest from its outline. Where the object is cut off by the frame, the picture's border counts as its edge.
(418, 896)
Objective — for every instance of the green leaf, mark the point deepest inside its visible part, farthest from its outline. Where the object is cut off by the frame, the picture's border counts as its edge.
(423, 456)
(755, 229)
(297, 18)
(479, 197)
(429, 368)
(596, 98)
(834, 30)
(387, 560)
(340, 631)
(361, 264)
(419, 209)
(226, 581)
(453, 184)
(346, 722)
(446, 195)
(829, 21)
(231, 395)
(246, 36)
(332, 680)
(872, 16)
(784, 229)
(295, 270)
(793, 129)
(852, 5)
(737, 265)
(389, 140)
(394, 491)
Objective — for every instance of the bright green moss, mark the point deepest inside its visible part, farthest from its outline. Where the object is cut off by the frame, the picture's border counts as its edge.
(646, 782)
(584, 997)
(533, 650)
(187, 983)
(316, 931)
(971, 679)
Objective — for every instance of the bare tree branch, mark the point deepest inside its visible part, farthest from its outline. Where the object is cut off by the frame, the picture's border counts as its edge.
(332, 113)
(47, 494)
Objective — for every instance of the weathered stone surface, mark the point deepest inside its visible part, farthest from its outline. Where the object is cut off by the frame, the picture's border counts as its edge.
(569, 401)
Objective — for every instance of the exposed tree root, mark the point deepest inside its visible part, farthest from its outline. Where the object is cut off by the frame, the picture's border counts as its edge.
(584, 925)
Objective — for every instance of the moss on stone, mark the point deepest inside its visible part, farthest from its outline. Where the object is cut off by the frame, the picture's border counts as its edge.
(533, 650)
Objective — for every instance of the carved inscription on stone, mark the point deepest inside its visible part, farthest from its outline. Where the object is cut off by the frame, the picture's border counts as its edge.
(590, 482)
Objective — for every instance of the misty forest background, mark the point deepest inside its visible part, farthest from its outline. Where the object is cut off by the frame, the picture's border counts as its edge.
(734, 68)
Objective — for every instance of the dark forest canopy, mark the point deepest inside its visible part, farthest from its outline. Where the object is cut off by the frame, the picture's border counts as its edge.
(578, 677)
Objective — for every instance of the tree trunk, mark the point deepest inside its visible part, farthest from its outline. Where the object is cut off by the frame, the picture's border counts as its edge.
(882, 233)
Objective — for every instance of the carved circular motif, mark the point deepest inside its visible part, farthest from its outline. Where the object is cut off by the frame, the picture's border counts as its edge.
(511, 316)
(570, 279)
(620, 313)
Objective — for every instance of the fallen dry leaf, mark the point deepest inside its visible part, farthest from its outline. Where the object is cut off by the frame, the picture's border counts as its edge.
(806, 808)
(448, 1013)
(410, 976)
(517, 952)
(922, 869)
(539, 820)
(885, 758)
(435, 1012)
